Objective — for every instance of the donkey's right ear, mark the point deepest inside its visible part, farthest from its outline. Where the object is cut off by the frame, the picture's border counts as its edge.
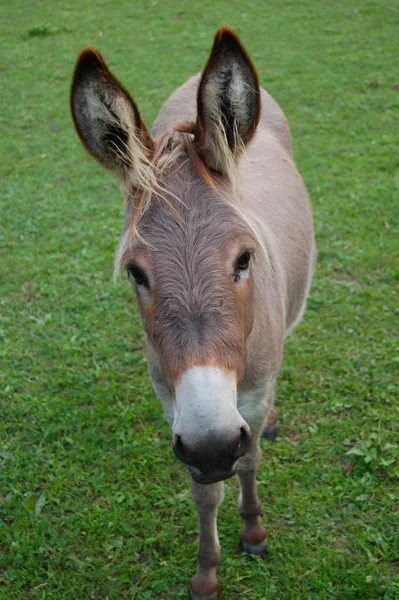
(228, 102)
(105, 116)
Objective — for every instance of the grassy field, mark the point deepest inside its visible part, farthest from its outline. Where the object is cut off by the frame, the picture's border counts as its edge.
(92, 503)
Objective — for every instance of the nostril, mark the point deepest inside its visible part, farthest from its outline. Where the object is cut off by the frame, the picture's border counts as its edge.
(244, 442)
(178, 447)
(244, 435)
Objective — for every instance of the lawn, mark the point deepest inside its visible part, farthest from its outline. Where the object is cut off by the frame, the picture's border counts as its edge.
(92, 502)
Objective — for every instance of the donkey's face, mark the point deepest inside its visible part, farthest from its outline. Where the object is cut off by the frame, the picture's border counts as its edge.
(193, 279)
(187, 247)
(194, 283)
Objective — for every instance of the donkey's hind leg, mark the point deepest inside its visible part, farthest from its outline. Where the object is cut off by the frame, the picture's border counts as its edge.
(253, 535)
(270, 431)
(207, 499)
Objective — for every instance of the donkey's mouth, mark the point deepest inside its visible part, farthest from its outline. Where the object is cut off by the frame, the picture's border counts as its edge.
(205, 477)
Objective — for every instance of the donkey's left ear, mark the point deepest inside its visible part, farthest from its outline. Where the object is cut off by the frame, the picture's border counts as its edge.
(228, 102)
(106, 117)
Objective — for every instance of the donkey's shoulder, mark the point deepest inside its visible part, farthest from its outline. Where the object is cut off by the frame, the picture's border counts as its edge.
(274, 120)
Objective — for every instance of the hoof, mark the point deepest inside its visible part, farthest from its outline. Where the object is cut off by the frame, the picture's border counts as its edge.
(270, 432)
(193, 596)
(252, 550)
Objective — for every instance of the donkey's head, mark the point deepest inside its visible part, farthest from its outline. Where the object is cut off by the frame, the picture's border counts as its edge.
(188, 247)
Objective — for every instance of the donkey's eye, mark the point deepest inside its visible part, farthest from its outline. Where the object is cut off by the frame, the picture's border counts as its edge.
(243, 261)
(138, 274)
(242, 264)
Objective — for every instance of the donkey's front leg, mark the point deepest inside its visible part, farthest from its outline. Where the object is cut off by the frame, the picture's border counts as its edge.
(207, 499)
(253, 535)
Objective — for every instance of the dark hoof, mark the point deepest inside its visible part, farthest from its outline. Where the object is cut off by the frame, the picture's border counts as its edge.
(252, 550)
(193, 596)
(270, 432)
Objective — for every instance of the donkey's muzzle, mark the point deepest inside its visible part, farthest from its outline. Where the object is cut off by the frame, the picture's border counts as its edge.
(213, 459)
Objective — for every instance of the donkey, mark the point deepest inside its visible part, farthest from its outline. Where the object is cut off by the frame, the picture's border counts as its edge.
(218, 245)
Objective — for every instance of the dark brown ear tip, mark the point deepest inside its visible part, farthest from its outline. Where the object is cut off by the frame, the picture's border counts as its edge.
(227, 43)
(226, 36)
(90, 59)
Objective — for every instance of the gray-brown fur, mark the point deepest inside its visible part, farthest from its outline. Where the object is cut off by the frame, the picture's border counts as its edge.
(274, 192)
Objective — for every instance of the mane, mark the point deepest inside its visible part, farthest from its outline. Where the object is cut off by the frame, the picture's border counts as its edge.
(171, 152)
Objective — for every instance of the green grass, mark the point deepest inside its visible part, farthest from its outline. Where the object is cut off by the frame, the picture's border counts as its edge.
(92, 502)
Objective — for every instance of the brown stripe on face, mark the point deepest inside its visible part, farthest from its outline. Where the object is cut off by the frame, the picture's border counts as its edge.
(196, 313)
(186, 338)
